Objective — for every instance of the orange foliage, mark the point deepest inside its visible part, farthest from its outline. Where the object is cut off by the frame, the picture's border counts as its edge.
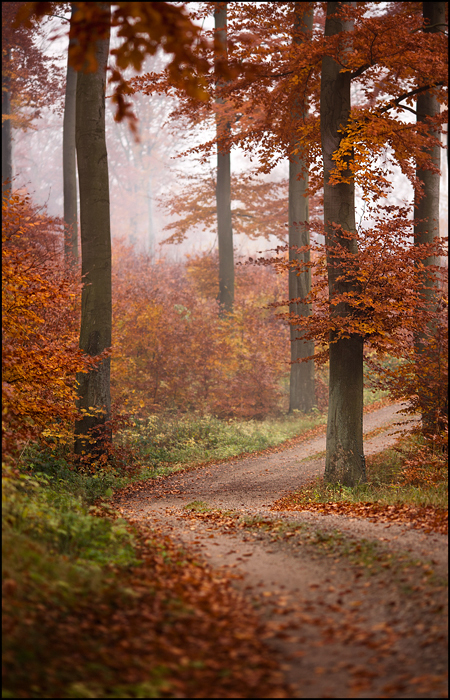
(258, 209)
(39, 326)
(424, 466)
(173, 350)
(387, 310)
(391, 61)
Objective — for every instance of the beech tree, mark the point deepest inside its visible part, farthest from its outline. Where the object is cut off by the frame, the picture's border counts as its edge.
(344, 455)
(223, 186)
(6, 129)
(301, 383)
(94, 401)
(40, 329)
(69, 164)
(426, 228)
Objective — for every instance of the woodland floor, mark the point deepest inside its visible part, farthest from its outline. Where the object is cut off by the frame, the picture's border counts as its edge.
(349, 607)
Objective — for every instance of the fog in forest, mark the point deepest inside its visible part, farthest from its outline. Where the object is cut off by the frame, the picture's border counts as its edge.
(144, 174)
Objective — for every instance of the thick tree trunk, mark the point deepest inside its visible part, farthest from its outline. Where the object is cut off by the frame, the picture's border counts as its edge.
(223, 187)
(344, 454)
(426, 229)
(301, 384)
(91, 436)
(6, 132)
(70, 169)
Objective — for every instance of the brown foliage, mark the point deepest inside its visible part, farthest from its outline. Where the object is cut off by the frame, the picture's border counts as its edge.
(171, 625)
(173, 350)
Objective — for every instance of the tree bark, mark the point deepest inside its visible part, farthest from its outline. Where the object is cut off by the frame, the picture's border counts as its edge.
(6, 131)
(426, 229)
(91, 434)
(344, 452)
(301, 383)
(70, 168)
(150, 222)
(223, 186)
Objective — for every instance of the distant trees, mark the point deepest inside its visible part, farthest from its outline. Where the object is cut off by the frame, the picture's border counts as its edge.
(230, 366)
(30, 81)
(259, 209)
(367, 293)
(6, 128)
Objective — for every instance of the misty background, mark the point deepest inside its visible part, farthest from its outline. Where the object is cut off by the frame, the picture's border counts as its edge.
(142, 174)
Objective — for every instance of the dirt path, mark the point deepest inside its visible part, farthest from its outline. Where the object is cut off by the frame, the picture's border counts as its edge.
(353, 608)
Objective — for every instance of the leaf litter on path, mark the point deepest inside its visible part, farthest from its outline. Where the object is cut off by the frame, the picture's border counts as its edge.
(337, 626)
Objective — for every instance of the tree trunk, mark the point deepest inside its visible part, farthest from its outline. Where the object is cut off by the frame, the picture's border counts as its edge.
(150, 223)
(344, 452)
(223, 186)
(6, 131)
(70, 169)
(301, 384)
(91, 434)
(426, 229)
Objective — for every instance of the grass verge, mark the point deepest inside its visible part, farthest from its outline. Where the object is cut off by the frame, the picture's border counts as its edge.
(404, 483)
(165, 443)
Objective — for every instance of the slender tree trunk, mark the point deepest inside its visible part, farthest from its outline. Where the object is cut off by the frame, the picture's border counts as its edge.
(6, 130)
(70, 169)
(150, 222)
(223, 186)
(91, 436)
(426, 229)
(344, 454)
(301, 384)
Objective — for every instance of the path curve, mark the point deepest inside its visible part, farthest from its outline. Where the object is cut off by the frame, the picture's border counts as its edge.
(337, 634)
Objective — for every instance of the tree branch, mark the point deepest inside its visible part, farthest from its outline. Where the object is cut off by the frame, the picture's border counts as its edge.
(397, 101)
(360, 71)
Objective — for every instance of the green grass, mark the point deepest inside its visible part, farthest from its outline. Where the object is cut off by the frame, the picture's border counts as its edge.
(164, 440)
(163, 444)
(198, 507)
(387, 480)
(46, 512)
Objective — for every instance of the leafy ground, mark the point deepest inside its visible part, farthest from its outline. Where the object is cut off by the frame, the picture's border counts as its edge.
(95, 608)
(365, 600)
(397, 490)
(236, 602)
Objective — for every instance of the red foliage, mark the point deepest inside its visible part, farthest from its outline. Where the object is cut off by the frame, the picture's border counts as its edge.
(34, 80)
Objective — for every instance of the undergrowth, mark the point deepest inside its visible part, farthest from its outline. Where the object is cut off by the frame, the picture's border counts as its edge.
(180, 440)
(409, 473)
(93, 608)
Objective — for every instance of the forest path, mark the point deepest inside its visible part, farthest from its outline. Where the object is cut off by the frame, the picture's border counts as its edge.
(352, 608)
